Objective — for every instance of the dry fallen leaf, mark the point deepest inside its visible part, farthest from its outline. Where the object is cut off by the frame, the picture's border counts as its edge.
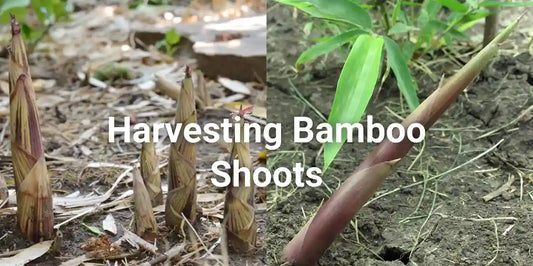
(4, 86)
(234, 85)
(43, 84)
(49, 100)
(109, 224)
(210, 197)
(136, 241)
(101, 247)
(27, 254)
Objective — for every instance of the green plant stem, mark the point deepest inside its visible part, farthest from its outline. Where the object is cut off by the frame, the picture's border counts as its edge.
(383, 11)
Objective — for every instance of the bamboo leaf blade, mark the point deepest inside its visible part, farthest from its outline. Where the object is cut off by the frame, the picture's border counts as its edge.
(492, 3)
(345, 10)
(308, 8)
(341, 10)
(400, 28)
(354, 88)
(326, 46)
(405, 81)
(454, 5)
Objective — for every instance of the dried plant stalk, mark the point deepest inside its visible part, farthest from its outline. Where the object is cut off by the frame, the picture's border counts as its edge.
(3, 189)
(333, 216)
(150, 173)
(203, 95)
(239, 214)
(181, 196)
(145, 225)
(170, 89)
(167, 87)
(34, 196)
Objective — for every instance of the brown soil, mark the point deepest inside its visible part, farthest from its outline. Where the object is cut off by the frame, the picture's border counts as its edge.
(445, 221)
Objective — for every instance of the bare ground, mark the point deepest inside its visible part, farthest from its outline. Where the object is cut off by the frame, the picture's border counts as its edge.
(443, 221)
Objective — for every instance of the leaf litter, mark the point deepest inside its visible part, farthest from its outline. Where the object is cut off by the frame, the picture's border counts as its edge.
(86, 70)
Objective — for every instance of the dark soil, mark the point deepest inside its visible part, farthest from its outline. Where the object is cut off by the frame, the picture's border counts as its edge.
(462, 229)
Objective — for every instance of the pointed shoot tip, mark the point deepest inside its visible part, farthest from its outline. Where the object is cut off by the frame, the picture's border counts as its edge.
(187, 71)
(15, 27)
(246, 110)
(521, 16)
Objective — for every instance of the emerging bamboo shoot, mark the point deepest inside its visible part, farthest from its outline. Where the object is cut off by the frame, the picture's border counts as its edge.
(181, 196)
(145, 225)
(150, 173)
(333, 216)
(35, 215)
(203, 95)
(239, 214)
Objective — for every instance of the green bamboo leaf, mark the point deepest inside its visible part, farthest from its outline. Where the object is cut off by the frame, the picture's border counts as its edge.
(306, 7)
(398, 64)
(475, 16)
(93, 229)
(454, 5)
(470, 20)
(317, 12)
(326, 46)
(453, 32)
(17, 7)
(345, 10)
(354, 88)
(401, 28)
(9, 4)
(505, 4)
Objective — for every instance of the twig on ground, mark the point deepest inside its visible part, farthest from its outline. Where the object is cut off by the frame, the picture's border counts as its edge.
(136, 241)
(514, 121)
(77, 202)
(497, 243)
(200, 239)
(171, 253)
(436, 176)
(500, 190)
